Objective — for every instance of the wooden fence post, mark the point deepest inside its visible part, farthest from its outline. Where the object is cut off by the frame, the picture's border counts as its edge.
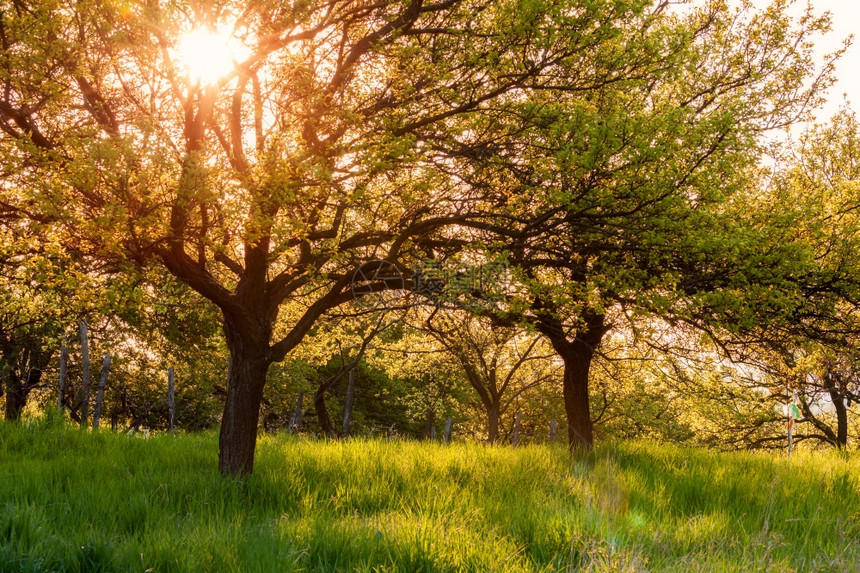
(516, 438)
(85, 374)
(171, 405)
(446, 437)
(296, 418)
(64, 360)
(553, 431)
(429, 421)
(101, 393)
(347, 409)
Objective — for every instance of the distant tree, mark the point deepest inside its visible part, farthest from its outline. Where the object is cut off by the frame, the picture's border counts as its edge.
(148, 326)
(433, 387)
(736, 398)
(816, 181)
(828, 383)
(25, 358)
(631, 395)
(39, 292)
(501, 364)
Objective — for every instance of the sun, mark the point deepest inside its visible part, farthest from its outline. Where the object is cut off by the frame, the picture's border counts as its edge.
(207, 55)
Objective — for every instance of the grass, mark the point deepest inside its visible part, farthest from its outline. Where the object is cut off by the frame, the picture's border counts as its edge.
(78, 501)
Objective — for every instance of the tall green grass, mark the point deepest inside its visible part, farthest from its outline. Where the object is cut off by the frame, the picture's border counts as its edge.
(78, 501)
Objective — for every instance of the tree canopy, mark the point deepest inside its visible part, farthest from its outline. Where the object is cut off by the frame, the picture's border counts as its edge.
(591, 144)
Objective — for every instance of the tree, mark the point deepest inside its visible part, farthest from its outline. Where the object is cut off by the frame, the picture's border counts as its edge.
(39, 290)
(630, 393)
(838, 380)
(618, 187)
(826, 382)
(152, 324)
(27, 343)
(501, 365)
(816, 178)
(432, 382)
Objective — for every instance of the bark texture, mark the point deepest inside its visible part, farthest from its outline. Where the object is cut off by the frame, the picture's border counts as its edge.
(577, 355)
(249, 362)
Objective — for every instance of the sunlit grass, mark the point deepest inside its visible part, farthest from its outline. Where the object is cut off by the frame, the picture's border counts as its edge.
(77, 501)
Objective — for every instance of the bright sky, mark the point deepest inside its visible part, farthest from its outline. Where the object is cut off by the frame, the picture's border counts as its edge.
(846, 21)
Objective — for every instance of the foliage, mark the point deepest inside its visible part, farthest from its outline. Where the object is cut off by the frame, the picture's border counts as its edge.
(435, 387)
(42, 290)
(597, 146)
(616, 192)
(504, 366)
(810, 201)
(329, 143)
(634, 399)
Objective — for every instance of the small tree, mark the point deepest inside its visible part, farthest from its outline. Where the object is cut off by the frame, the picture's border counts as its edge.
(501, 364)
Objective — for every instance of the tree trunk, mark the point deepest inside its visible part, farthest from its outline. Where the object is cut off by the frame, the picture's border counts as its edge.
(322, 412)
(171, 404)
(842, 427)
(296, 418)
(838, 400)
(64, 361)
(85, 374)
(97, 412)
(16, 396)
(449, 424)
(580, 433)
(18, 390)
(516, 437)
(347, 409)
(577, 356)
(238, 437)
(493, 424)
(429, 420)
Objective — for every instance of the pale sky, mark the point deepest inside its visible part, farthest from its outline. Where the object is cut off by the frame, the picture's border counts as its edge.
(846, 21)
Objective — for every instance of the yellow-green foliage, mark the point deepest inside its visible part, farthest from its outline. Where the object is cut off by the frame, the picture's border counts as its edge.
(77, 501)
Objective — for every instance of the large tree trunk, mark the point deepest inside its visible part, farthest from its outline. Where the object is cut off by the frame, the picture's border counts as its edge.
(577, 356)
(493, 414)
(577, 365)
(238, 438)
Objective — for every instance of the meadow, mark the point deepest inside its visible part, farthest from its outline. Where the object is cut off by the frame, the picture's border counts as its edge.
(73, 500)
